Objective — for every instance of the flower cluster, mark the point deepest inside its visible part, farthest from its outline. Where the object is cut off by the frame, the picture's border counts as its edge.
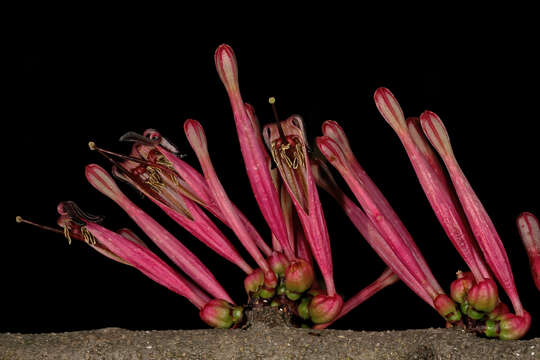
(284, 174)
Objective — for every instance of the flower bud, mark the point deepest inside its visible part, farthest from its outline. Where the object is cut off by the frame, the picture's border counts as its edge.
(461, 286)
(499, 310)
(447, 308)
(513, 327)
(226, 67)
(279, 263)
(299, 276)
(254, 281)
(219, 313)
(324, 308)
(484, 296)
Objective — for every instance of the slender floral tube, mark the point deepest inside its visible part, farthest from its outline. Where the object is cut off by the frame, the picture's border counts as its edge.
(200, 188)
(192, 218)
(431, 180)
(481, 224)
(335, 132)
(416, 133)
(171, 246)
(287, 143)
(197, 139)
(387, 278)
(333, 153)
(529, 229)
(369, 232)
(255, 156)
(145, 261)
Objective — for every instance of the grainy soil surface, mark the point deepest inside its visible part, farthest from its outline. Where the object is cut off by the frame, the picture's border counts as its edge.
(263, 340)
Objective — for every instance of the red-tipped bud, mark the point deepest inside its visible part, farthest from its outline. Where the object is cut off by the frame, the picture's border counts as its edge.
(254, 281)
(447, 308)
(461, 286)
(324, 308)
(499, 310)
(227, 67)
(220, 314)
(513, 327)
(270, 280)
(279, 263)
(529, 229)
(299, 276)
(484, 296)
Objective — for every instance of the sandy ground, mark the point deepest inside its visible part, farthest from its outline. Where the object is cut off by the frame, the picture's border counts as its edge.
(263, 340)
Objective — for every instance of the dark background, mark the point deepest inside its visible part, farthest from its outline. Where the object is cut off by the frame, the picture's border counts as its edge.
(96, 86)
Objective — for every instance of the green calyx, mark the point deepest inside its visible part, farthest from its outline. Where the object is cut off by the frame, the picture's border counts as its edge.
(303, 308)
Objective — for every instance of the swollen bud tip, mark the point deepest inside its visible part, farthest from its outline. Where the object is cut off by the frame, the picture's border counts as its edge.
(18, 219)
(272, 100)
(92, 145)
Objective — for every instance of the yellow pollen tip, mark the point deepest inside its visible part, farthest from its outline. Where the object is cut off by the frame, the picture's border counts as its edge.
(92, 145)
(19, 219)
(272, 100)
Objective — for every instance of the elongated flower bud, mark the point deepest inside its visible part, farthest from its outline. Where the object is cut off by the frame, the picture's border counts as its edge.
(529, 229)
(220, 314)
(324, 308)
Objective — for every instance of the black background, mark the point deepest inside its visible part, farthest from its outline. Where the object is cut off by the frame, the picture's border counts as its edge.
(96, 85)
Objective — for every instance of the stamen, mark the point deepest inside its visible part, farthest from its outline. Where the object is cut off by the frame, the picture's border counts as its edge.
(66, 228)
(106, 153)
(282, 136)
(87, 236)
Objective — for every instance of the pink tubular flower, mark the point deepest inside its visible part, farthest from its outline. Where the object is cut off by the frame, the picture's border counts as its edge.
(529, 229)
(367, 229)
(255, 157)
(481, 224)
(287, 144)
(332, 130)
(171, 246)
(142, 259)
(335, 155)
(197, 139)
(431, 178)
